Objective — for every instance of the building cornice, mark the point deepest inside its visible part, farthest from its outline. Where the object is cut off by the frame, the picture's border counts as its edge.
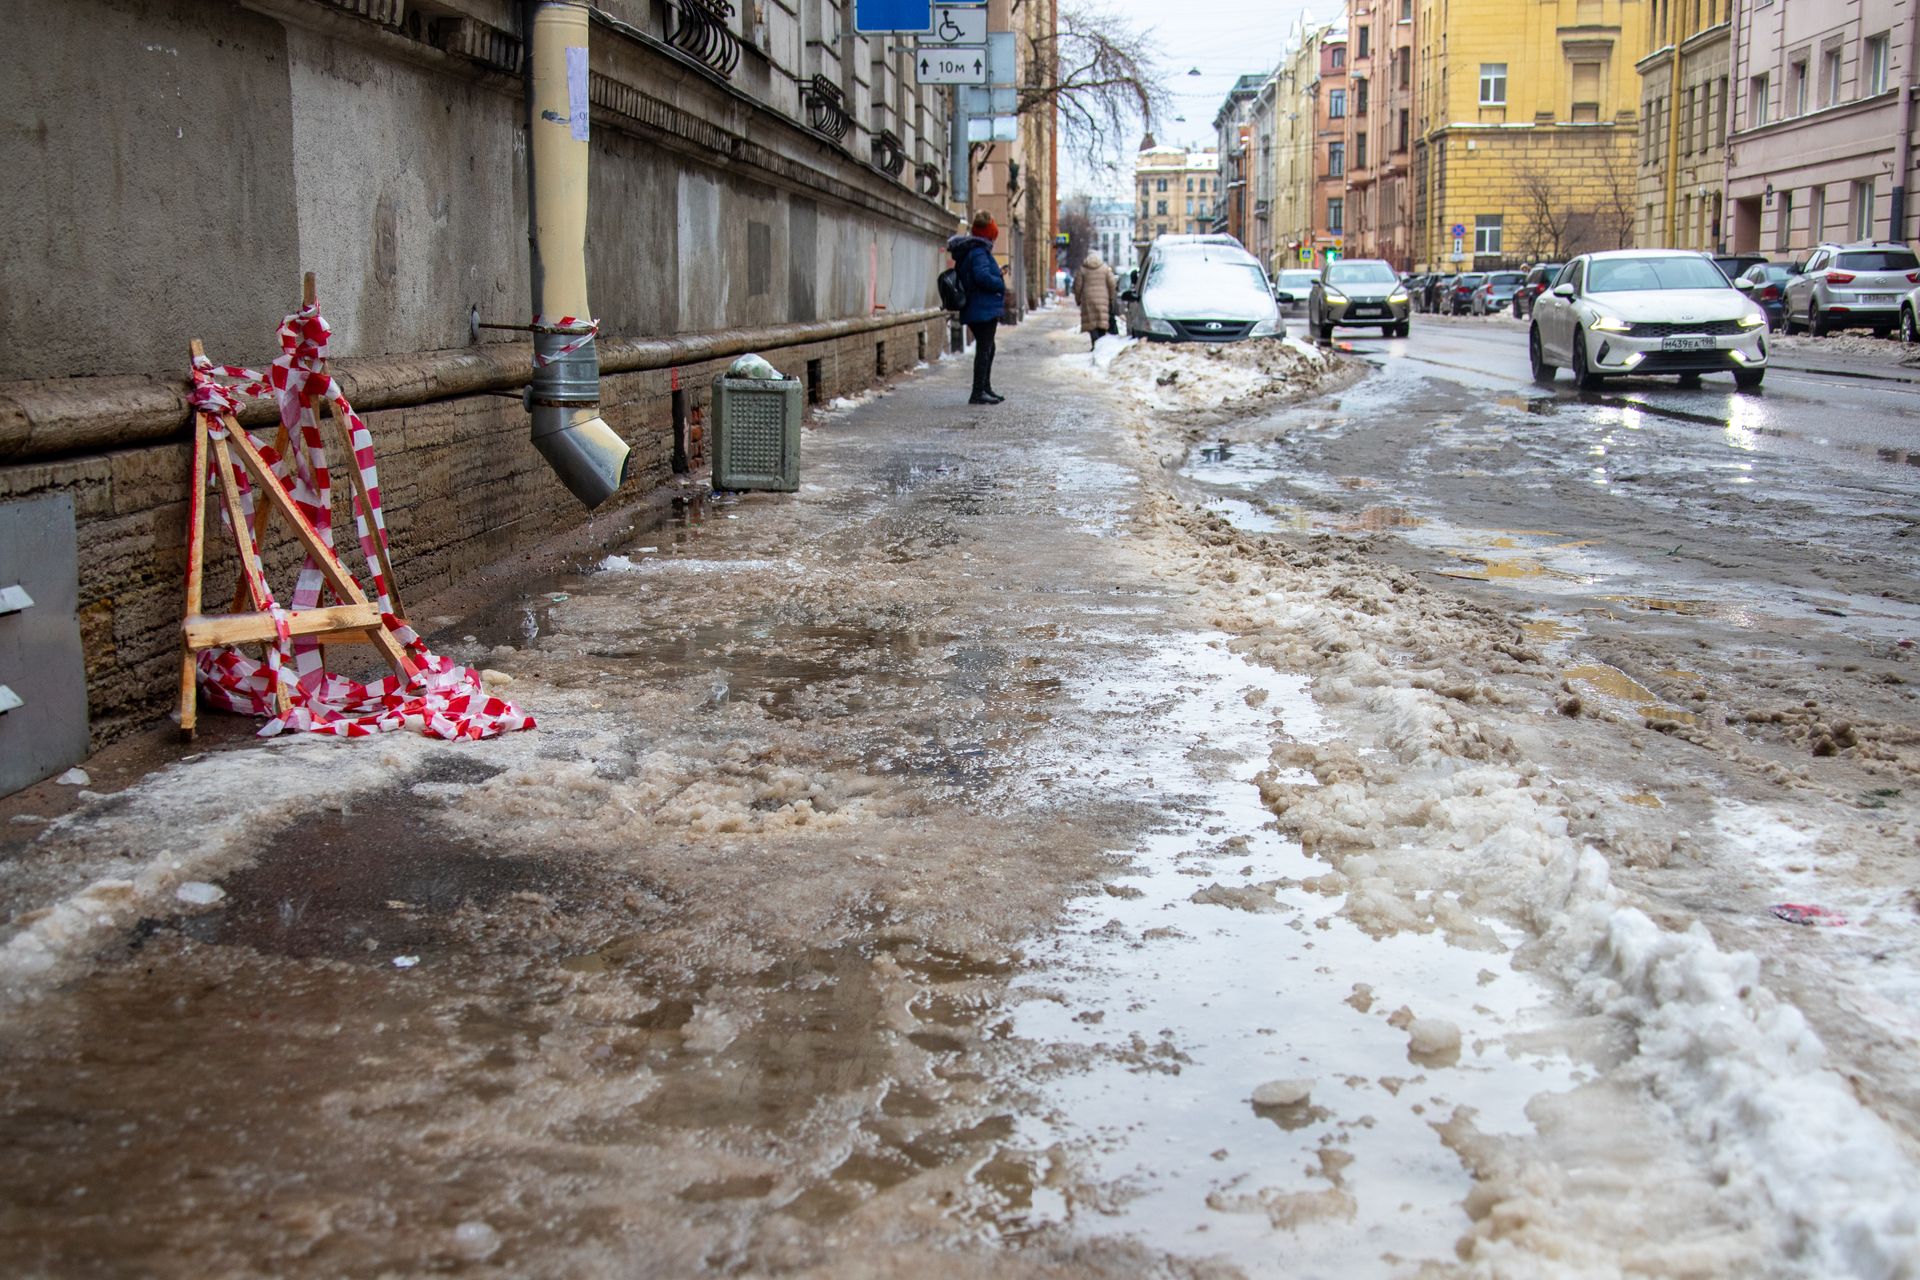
(1838, 111)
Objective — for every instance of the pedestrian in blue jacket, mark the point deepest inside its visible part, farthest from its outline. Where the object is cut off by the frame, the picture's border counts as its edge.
(986, 299)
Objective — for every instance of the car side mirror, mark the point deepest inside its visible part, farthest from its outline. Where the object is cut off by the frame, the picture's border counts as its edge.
(1744, 286)
(1798, 268)
(1128, 295)
(1563, 291)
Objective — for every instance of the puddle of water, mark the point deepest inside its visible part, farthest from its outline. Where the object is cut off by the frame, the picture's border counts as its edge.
(1617, 684)
(1180, 1008)
(1550, 630)
(1653, 604)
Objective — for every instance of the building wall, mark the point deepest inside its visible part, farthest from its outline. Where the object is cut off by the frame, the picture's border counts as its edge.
(1380, 129)
(181, 162)
(1332, 92)
(1681, 149)
(1296, 155)
(1827, 173)
(1547, 153)
(1192, 181)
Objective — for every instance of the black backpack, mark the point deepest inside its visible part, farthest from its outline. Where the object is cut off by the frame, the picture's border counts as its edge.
(953, 294)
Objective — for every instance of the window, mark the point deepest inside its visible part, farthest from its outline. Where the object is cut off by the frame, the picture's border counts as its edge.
(1189, 184)
(1720, 116)
(1406, 10)
(1863, 210)
(1359, 150)
(1830, 76)
(1403, 130)
(1756, 102)
(1405, 78)
(1336, 215)
(1160, 185)
(1336, 159)
(1365, 48)
(1493, 84)
(1797, 87)
(1586, 91)
(1160, 207)
(1189, 208)
(1784, 221)
(1336, 104)
(1816, 215)
(1486, 233)
(1360, 97)
(1337, 56)
(1876, 57)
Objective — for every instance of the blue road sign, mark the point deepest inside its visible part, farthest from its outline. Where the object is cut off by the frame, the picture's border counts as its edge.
(1459, 229)
(893, 15)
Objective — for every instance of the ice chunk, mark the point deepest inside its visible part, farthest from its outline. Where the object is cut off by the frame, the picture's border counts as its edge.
(1433, 1037)
(494, 679)
(199, 893)
(1282, 1093)
(475, 1240)
(405, 962)
(74, 777)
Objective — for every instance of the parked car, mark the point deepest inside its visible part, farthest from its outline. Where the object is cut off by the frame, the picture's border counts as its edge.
(1292, 286)
(1460, 292)
(1539, 279)
(1202, 291)
(1496, 292)
(1439, 288)
(1910, 317)
(1357, 291)
(1850, 286)
(1416, 287)
(1735, 265)
(1641, 311)
(1766, 284)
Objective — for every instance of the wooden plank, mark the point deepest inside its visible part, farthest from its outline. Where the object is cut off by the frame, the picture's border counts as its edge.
(259, 522)
(366, 501)
(207, 631)
(249, 556)
(196, 562)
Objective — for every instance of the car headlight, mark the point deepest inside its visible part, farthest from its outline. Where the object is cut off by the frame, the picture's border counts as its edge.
(1333, 295)
(1397, 298)
(1163, 327)
(1268, 328)
(1752, 321)
(1604, 323)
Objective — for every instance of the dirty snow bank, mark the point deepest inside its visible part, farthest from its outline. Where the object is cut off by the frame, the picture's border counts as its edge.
(1434, 811)
(1181, 376)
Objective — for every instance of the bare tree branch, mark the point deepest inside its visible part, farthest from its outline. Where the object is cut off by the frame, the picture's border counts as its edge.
(1097, 73)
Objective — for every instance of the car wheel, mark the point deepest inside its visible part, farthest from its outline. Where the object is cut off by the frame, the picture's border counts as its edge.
(1537, 357)
(1690, 380)
(1402, 329)
(1909, 331)
(1386, 331)
(1583, 376)
(1748, 379)
(1816, 323)
(1326, 334)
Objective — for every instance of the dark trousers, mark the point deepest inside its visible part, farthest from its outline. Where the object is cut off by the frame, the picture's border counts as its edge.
(983, 355)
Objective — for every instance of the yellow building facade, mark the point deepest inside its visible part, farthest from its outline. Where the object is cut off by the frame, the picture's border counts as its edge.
(1527, 119)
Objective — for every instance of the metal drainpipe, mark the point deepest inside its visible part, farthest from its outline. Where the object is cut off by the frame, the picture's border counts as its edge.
(564, 398)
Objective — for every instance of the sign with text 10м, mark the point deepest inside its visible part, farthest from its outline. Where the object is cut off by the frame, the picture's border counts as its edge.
(907, 17)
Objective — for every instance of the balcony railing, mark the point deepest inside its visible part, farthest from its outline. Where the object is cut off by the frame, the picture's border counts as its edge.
(827, 109)
(700, 31)
(889, 157)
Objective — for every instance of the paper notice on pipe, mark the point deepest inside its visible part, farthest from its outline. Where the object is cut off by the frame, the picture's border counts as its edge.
(577, 91)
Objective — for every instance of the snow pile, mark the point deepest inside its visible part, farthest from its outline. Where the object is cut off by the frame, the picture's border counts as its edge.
(1187, 376)
(1433, 811)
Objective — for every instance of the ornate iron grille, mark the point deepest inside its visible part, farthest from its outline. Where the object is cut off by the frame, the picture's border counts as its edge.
(932, 181)
(827, 109)
(700, 31)
(889, 157)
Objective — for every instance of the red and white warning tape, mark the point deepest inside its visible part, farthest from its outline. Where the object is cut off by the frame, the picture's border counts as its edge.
(442, 699)
(562, 325)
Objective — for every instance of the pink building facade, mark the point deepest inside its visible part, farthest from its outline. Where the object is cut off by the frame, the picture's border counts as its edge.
(1820, 147)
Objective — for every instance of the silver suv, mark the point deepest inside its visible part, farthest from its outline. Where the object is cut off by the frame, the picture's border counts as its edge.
(1850, 286)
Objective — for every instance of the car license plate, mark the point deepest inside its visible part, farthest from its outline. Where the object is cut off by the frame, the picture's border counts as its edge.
(1877, 299)
(1687, 342)
(1366, 311)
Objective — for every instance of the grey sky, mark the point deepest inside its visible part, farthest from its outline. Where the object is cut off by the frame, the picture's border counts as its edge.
(1225, 39)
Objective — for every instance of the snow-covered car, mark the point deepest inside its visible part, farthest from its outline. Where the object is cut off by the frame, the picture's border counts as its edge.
(1850, 286)
(1646, 311)
(1359, 291)
(1202, 292)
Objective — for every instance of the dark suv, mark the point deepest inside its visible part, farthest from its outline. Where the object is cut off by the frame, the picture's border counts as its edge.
(1539, 280)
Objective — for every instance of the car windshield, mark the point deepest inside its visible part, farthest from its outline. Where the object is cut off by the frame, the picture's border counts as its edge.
(1778, 271)
(1876, 260)
(1468, 280)
(1297, 279)
(1205, 272)
(1633, 275)
(1505, 277)
(1361, 273)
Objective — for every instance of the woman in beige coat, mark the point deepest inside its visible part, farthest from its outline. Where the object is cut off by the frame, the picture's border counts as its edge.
(1097, 290)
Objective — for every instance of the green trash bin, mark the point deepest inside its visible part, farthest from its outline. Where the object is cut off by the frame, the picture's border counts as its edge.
(756, 433)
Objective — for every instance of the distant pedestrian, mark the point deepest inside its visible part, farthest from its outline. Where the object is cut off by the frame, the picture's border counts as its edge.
(986, 287)
(1098, 292)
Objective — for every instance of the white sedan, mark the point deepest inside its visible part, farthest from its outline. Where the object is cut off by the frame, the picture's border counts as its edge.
(1645, 311)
